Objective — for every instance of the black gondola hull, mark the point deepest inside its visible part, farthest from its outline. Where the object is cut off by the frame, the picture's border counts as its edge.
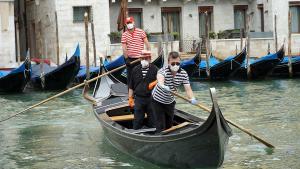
(190, 151)
(259, 70)
(16, 82)
(201, 144)
(59, 78)
(282, 70)
(222, 70)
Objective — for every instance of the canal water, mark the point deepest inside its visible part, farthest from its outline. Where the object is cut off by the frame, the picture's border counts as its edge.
(65, 134)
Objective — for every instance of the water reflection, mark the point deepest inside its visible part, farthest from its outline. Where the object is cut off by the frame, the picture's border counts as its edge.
(65, 134)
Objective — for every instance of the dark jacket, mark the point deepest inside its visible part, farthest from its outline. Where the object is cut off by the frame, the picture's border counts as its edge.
(138, 84)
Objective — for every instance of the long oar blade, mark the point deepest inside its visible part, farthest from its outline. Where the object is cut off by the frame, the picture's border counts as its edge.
(229, 121)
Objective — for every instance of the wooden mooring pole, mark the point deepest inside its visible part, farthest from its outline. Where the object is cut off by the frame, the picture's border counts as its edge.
(248, 48)
(207, 46)
(290, 46)
(241, 37)
(57, 39)
(276, 38)
(18, 43)
(94, 43)
(87, 58)
(166, 40)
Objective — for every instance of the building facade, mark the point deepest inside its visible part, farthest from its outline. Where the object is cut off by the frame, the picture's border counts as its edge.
(7, 33)
(57, 26)
(187, 18)
(39, 29)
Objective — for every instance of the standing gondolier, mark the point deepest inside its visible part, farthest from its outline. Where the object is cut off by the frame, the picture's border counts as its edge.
(140, 87)
(133, 40)
(163, 102)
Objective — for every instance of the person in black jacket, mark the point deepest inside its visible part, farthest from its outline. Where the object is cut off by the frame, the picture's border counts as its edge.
(140, 87)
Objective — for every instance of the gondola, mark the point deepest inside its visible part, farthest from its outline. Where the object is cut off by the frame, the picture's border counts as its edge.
(192, 142)
(81, 76)
(282, 69)
(55, 78)
(259, 68)
(121, 75)
(15, 80)
(222, 70)
(201, 74)
(191, 65)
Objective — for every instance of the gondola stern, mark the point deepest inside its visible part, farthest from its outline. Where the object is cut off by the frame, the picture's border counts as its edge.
(221, 121)
(77, 51)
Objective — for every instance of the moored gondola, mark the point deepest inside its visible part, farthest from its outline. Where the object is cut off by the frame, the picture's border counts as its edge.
(201, 74)
(191, 65)
(15, 80)
(259, 68)
(81, 76)
(192, 142)
(282, 69)
(55, 78)
(121, 75)
(222, 70)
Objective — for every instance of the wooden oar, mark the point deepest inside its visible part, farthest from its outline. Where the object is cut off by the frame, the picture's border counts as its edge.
(229, 121)
(66, 91)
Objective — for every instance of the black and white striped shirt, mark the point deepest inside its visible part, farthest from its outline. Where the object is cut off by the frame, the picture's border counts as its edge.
(164, 97)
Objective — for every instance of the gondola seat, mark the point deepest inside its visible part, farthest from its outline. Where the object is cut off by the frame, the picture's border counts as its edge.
(129, 117)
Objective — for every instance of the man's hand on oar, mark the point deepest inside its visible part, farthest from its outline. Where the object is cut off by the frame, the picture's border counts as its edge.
(66, 91)
(229, 121)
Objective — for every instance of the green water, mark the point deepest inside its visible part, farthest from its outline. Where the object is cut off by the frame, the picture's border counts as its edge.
(65, 134)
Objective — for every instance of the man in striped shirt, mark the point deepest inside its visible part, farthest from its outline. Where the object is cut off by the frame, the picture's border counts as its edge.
(163, 102)
(133, 40)
(141, 84)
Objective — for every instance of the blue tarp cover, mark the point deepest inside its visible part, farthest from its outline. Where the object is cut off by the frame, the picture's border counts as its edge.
(82, 71)
(115, 63)
(212, 62)
(17, 70)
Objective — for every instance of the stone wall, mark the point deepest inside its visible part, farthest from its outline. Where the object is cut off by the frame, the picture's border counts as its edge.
(72, 33)
(41, 29)
(223, 15)
(7, 33)
(223, 48)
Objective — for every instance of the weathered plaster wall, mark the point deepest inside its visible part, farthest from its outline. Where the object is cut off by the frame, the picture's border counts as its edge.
(7, 33)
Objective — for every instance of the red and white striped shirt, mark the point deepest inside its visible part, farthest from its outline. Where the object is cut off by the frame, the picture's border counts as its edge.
(134, 42)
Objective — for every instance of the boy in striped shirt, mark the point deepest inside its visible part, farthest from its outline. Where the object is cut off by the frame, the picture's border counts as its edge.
(163, 102)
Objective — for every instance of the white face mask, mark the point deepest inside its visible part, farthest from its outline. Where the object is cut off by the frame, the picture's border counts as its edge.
(130, 26)
(144, 63)
(174, 68)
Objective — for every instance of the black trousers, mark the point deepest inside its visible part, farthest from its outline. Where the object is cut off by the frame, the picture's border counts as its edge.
(164, 114)
(130, 67)
(142, 106)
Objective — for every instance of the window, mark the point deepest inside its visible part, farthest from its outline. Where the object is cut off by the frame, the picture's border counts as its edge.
(202, 20)
(262, 16)
(136, 13)
(172, 15)
(78, 13)
(240, 16)
(295, 17)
